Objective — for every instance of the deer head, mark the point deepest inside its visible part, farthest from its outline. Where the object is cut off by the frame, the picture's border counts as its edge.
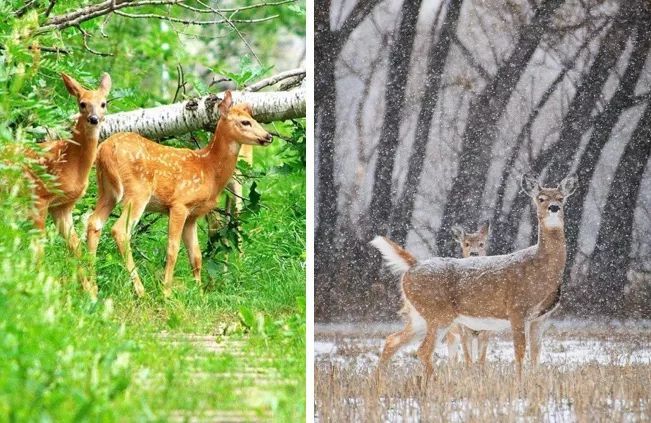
(239, 124)
(472, 244)
(549, 201)
(92, 103)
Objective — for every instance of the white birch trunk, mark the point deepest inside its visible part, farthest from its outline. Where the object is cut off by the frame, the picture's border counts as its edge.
(202, 113)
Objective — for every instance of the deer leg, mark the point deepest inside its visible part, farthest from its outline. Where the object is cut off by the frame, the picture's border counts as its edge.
(466, 343)
(519, 342)
(39, 216)
(63, 218)
(452, 340)
(394, 342)
(121, 232)
(176, 224)
(191, 242)
(427, 348)
(536, 329)
(105, 205)
(483, 346)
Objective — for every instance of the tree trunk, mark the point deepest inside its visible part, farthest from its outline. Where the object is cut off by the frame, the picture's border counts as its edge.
(611, 255)
(621, 100)
(576, 121)
(437, 55)
(202, 113)
(479, 134)
(382, 195)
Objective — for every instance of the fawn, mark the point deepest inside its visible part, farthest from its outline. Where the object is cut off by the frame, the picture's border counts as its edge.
(517, 290)
(143, 175)
(70, 161)
(472, 244)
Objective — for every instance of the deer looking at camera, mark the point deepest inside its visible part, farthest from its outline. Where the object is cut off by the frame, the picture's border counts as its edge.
(70, 161)
(143, 175)
(484, 293)
(472, 244)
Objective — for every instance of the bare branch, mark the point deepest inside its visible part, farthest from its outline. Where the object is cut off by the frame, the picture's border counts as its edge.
(273, 80)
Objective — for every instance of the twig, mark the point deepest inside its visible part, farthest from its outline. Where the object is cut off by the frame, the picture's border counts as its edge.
(191, 21)
(59, 50)
(237, 31)
(87, 47)
(273, 80)
(49, 8)
(180, 84)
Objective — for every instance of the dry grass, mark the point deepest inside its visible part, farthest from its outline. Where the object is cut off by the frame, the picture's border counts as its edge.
(588, 374)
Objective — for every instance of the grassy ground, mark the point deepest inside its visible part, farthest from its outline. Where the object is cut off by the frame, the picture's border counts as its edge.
(589, 372)
(235, 352)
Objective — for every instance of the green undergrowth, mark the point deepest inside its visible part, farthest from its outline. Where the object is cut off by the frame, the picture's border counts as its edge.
(66, 358)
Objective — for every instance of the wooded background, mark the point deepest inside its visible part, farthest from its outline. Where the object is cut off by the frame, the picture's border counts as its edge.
(429, 111)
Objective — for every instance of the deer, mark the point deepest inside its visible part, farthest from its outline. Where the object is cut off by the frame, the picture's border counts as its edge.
(70, 162)
(517, 290)
(143, 175)
(472, 244)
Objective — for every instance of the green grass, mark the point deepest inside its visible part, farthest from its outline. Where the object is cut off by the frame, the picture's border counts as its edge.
(64, 358)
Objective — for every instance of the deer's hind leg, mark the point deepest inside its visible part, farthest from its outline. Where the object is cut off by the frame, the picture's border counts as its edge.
(121, 231)
(396, 341)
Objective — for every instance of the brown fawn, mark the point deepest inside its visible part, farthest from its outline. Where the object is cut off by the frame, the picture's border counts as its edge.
(70, 161)
(143, 175)
(517, 290)
(472, 244)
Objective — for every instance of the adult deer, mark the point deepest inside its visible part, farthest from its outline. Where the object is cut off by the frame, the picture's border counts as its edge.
(70, 161)
(182, 183)
(472, 244)
(484, 293)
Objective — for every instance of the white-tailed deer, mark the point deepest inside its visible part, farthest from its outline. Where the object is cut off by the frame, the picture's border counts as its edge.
(182, 183)
(472, 244)
(70, 161)
(484, 293)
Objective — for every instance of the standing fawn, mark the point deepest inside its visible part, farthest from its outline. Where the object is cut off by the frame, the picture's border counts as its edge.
(70, 161)
(515, 290)
(143, 175)
(472, 244)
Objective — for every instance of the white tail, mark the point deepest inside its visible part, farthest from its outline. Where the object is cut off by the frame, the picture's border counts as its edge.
(395, 258)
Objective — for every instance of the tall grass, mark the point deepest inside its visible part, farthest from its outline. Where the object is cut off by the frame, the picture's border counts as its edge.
(66, 358)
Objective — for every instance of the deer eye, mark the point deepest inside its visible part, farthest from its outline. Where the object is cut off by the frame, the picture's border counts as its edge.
(467, 244)
(103, 105)
(481, 244)
(246, 123)
(541, 199)
(82, 105)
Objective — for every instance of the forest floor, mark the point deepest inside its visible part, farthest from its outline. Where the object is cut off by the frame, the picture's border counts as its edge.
(589, 371)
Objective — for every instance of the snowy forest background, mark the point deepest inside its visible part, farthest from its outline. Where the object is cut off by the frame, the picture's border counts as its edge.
(428, 112)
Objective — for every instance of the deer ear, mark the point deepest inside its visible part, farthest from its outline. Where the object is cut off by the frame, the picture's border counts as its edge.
(530, 185)
(568, 185)
(105, 83)
(226, 103)
(72, 86)
(484, 228)
(458, 233)
(249, 109)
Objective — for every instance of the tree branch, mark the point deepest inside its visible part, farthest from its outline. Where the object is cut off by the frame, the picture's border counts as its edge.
(194, 114)
(273, 80)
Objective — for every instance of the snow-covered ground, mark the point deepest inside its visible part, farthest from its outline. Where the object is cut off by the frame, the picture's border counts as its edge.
(584, 366)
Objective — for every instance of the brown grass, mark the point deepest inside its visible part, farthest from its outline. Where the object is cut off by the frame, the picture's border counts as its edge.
(348, 389)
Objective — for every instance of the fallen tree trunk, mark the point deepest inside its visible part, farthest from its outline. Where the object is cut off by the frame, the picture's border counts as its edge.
(201, 113)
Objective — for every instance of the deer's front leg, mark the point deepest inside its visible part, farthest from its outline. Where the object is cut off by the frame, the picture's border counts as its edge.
(63, 218)
(176, 224)
(191, 242)
(519, 342)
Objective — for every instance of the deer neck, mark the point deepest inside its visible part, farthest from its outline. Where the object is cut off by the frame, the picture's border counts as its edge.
(221, 156)
(551, 247)
(81, 152)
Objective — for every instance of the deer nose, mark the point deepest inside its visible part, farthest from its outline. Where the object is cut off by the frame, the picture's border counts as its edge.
(554, 208)
(93, 119)
(268, 137)
(474, 254)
